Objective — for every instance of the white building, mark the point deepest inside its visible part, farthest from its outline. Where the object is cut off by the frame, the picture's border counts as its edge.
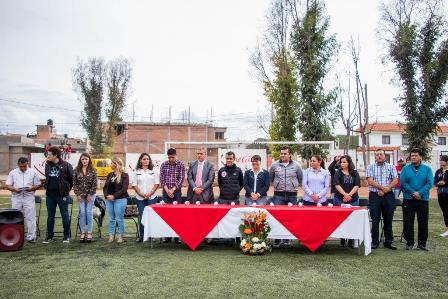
(392, 138)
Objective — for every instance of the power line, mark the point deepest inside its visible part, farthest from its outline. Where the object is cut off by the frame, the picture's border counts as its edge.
(37, 105)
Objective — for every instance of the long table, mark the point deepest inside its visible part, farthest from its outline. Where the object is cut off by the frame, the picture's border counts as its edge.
(310, 225)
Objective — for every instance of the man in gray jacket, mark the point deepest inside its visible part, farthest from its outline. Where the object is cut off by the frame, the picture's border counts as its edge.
(201, 175)
(285, 176)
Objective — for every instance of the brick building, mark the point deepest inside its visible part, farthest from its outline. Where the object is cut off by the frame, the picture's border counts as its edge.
(139, 137)
(47, 134)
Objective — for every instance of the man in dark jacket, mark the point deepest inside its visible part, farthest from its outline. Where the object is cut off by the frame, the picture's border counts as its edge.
(230, 181)
(58, 183)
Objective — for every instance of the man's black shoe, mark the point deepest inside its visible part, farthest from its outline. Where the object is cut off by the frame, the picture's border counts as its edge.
(423, 247)
(409, 246)
(390, 246)
(374, 246)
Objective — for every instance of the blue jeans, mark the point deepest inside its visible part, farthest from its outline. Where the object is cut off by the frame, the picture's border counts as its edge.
(86, 213)
(337, 201)
(115, 209)
(141, 204)
(177, 197)
(284, 199)
(52, 202)
(259, 202)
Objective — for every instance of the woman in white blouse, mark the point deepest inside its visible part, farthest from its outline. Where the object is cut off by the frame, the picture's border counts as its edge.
(145, 182)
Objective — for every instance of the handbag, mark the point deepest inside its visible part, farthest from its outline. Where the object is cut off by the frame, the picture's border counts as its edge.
(131, 211)
(96, 212)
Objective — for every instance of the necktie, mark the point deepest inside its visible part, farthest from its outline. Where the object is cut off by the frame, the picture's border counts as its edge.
(198, 180)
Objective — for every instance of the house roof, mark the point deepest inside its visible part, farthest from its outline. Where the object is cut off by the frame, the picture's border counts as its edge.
(374, 148)
(395, 127)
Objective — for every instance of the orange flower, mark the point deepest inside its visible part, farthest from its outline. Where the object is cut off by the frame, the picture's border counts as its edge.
(247, 246)
(247, 231)
(263, 216)
(258, 222)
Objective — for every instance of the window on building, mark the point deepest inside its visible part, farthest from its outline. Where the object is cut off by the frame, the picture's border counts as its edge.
(386, 139)
(219, 135)
(404, 139)
(442, 141)
(387, 158)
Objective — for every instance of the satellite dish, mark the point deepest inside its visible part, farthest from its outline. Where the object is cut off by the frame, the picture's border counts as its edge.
(50, 122)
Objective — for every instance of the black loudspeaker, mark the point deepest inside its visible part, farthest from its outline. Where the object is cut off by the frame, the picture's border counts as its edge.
(11, 230)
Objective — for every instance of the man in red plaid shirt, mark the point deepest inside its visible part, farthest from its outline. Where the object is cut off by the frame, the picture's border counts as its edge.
(172, 173)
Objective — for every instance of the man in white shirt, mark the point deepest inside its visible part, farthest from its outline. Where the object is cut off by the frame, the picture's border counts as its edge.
(22, 182)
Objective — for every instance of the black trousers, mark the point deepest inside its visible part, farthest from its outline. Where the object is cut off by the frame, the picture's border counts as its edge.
(410, 208)
(382, 206)
(443, 202)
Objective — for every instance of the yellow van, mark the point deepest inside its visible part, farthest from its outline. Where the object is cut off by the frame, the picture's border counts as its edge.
(102, 167)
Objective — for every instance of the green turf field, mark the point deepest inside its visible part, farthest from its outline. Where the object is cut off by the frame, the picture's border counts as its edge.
(134, 270)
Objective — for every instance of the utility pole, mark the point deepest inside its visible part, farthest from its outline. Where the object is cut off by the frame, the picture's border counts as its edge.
(152, 113)
(189, 114)
(367, 124)
(133, 112)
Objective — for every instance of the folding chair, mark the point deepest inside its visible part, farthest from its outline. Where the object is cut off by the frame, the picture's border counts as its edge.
(70, 213)
(78, 227)
(398, 203)
(38, 201)
(131, 213)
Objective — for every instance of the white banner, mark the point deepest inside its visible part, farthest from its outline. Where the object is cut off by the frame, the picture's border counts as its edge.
(38, 162)
(132, 159)
(242, 157)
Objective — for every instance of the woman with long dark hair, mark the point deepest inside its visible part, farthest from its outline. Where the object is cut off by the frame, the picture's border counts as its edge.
(84, 185)
(347, 183)
(441, 182)
(145, 182)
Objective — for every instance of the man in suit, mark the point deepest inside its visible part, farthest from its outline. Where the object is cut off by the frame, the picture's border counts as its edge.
(201, 175)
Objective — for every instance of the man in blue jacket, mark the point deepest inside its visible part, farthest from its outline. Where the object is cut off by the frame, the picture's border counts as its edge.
(416, 180)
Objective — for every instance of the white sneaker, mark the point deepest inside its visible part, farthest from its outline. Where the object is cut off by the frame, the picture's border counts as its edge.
(445, 234)
(66, 241)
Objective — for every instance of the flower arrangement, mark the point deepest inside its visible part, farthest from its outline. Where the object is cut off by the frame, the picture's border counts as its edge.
(254, 233)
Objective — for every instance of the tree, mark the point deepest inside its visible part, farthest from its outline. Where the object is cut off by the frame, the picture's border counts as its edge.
(361, 103)
(347, 112)
(313, 50)
(88, 81)
(415, 35)
(118, 80)
(276, 70)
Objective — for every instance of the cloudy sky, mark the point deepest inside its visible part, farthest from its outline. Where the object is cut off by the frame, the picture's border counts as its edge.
(185, 53)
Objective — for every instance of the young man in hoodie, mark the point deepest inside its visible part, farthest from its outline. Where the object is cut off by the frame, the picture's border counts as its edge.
(58, 183)
(230, 181)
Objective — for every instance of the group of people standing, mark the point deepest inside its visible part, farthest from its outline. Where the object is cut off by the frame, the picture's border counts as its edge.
(285, 175)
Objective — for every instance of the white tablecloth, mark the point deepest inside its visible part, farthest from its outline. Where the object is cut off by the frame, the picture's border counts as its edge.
(356, 226)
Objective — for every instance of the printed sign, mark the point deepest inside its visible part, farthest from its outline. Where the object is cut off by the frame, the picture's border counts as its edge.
(243, 157)
(38, 162)
(132, 159)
